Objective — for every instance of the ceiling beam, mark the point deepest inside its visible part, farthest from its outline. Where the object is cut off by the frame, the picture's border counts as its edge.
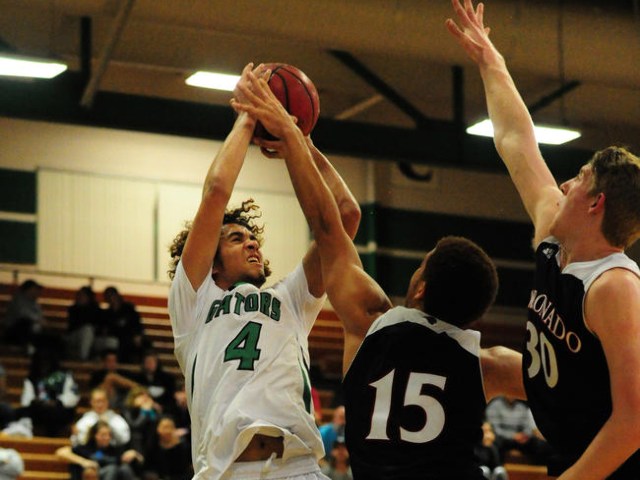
(114, 35)
(381, 86)
(553, 96)
(57, 101)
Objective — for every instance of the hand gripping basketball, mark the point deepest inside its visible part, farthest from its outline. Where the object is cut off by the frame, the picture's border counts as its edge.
(297, 93)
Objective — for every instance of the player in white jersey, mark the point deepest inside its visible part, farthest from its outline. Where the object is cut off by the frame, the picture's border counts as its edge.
(243, 350)
(590, 218)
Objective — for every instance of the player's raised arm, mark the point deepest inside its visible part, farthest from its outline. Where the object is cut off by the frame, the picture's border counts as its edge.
(202, 242)
(347, 205)
(513, 127)
(348, 209)
(357, 298)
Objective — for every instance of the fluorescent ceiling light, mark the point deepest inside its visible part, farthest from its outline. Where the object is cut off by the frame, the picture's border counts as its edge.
(548, 135)
(216, 81)
(16, 66)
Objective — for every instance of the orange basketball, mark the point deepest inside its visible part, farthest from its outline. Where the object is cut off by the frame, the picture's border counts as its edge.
(298, 95)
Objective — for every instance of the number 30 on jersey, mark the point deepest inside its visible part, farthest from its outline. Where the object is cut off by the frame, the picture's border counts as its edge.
(542, 355)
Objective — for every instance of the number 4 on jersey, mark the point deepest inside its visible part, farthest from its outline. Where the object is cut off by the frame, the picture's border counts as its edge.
(245, 346)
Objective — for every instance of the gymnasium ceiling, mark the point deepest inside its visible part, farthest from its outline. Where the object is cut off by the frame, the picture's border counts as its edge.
(384, 64)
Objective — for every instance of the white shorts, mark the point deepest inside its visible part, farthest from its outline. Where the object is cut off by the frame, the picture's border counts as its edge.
(297, 468)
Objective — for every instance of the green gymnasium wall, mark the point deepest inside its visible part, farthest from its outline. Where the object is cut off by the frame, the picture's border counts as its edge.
(401, 238)
(18, 195)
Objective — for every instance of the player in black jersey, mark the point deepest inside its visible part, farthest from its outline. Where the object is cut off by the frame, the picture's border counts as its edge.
(414, 389)
(581, 366)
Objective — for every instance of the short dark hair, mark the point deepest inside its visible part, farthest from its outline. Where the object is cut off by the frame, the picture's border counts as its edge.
(244, 215)
(29, 284)
(461, 281)
(616, 174)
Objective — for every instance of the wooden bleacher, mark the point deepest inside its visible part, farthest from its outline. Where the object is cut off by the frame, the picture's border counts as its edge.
(38, 454)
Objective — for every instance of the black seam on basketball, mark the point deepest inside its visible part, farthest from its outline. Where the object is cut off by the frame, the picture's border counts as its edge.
(304, 85)
(284, 88)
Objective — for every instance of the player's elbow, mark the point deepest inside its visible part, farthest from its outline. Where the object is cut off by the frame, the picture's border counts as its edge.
(216, 189)
(351, 214)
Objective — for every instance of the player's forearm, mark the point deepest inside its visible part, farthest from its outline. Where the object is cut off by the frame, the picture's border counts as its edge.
(225, 168)
(347, 204)
(512, 124)
(315, 198)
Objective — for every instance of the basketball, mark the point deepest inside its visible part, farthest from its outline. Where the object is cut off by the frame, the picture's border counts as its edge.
(298, 95)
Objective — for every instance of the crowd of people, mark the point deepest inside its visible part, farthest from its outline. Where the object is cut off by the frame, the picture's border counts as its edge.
(422, 399)
(146, 436)
(137, 425)
(91, 330)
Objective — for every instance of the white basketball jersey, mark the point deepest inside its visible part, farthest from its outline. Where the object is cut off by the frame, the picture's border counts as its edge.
(244, 355)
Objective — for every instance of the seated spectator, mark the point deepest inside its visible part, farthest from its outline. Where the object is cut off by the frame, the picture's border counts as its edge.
(114, 380)
(515, 429)
(338, 467)
(11, 464)
(7, 414)
(160, 384)
(141, 413)
(82, 317)
(180, 414)
(331, 431)
(123, 323)
(488, 455)
(103, 341)
(24, 318)
(100, 455)
(120, 432)
(49, 395)
(167, 458)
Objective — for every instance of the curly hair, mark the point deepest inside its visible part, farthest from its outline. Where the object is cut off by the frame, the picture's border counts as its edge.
(244, 215)
(461, 279)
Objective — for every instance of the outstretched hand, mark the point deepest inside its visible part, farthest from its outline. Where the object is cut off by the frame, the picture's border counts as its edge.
(256, 98)
(272, 148)
(259, 71)
(470, 31)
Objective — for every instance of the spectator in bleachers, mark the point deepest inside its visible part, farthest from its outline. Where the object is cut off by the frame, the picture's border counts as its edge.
(49, 394)
(24, 317)
(7, 414)
(168, 457)
(160, 384)
(515, 429)
(120, 431)
(142, 414)
(123, 322)
(487, 454)
(331, 431)
(99, 453)
(82, 318)
(180, 413)
(11, 464)
(338, 467)
(115, 381)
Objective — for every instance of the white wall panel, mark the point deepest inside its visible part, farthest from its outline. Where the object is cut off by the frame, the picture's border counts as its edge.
(95, 225)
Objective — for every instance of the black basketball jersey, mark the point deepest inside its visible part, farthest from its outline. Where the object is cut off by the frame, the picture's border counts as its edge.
(414, 400)
(564, 366)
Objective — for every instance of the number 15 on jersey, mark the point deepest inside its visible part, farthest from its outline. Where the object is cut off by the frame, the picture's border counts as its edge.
(435, 416)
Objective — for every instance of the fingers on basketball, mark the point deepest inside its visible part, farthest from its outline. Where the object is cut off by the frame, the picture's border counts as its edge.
(297, 93)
